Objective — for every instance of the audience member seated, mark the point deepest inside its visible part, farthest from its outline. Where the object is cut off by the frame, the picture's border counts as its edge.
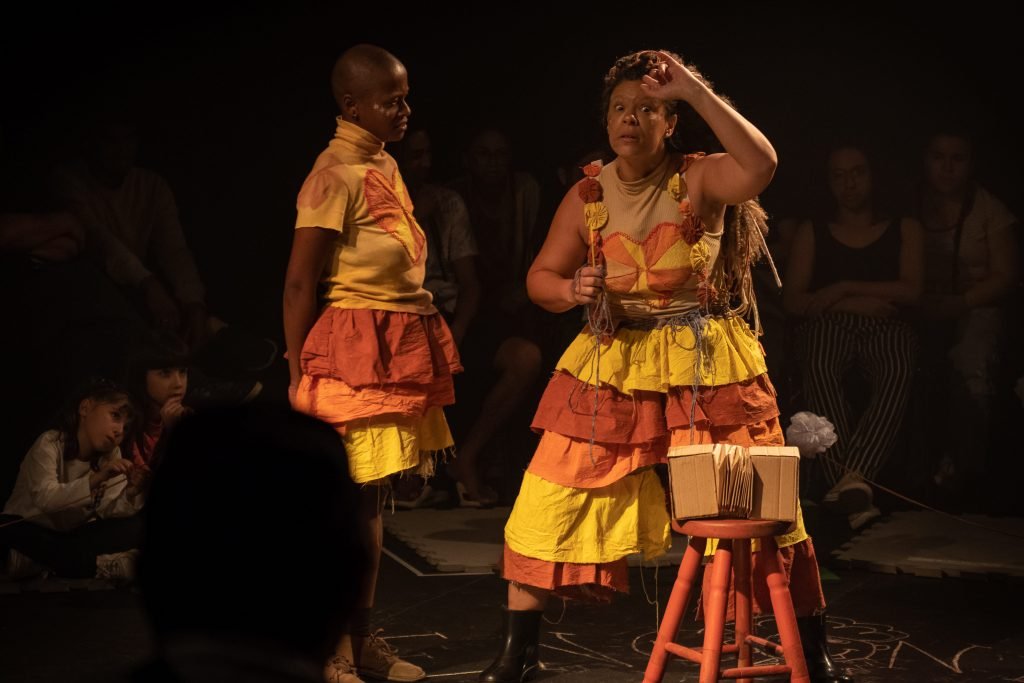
(499, 352)
(450, 277)
(65, 321)
(73, 509)
(971, 274)
(157, 376)
(131, 221)
(852, 275)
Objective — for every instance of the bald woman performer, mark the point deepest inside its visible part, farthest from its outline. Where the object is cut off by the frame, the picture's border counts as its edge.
(376, 361)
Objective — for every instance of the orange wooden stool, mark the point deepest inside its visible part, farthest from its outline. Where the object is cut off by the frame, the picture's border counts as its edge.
(735, 560)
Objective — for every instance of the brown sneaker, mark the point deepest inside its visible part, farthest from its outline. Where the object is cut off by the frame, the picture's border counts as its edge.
(380, 661)
(340, 670)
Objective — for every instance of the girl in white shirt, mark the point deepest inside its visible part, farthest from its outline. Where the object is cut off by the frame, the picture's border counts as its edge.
(75, 501)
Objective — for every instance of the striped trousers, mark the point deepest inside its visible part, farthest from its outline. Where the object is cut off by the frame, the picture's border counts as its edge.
(884, 352)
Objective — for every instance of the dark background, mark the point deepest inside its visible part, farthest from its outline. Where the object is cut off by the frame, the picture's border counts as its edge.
(235, 104)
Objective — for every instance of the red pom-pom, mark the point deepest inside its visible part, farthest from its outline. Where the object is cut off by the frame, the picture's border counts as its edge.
(688, 160)
(590, 190)
(592, 170)
(693, 230)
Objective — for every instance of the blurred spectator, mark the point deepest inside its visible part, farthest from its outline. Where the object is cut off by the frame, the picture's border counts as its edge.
(500, 353)
(451, 278)
(131, 220)
(971, 271)
(852, 276)
(65, 319)
(157, 376)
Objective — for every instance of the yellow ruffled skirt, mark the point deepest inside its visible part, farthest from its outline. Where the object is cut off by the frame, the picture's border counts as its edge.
(612, 409)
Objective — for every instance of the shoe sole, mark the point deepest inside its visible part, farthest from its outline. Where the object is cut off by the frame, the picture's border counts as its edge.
(855, 499)
(857, 521)
(852, 498)
(528, 673)
(270, 360)
(257, 388)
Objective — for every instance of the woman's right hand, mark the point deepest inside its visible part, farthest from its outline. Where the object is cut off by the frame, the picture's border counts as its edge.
(586, 285)
(109, 470)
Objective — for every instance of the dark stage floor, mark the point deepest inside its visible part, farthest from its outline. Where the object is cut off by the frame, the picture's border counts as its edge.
(885, 627)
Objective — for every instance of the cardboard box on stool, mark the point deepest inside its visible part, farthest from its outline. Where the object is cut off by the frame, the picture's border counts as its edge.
(695, 485)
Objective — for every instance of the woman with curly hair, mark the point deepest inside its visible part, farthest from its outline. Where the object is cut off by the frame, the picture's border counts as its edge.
(658, 245)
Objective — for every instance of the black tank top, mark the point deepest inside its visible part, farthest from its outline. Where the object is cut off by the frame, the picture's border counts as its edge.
(875, 262)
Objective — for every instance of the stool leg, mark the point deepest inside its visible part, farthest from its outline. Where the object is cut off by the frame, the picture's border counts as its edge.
(714, 614)
(744, 618)
(675, 609)
(785, 617)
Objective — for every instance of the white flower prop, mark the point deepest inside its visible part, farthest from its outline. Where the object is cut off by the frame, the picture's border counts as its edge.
(1020, 390)
(811, 433)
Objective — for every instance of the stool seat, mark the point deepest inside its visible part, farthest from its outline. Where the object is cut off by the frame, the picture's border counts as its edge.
(732, 528)
(732, 566)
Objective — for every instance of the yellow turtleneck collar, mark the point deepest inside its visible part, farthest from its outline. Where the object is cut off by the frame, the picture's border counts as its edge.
(358, 140)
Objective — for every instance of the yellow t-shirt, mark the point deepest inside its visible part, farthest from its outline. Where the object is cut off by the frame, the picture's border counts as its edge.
(379, 256)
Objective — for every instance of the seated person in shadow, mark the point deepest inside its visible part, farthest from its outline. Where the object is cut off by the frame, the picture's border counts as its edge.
(972, 302)
(852, 276)
(64, 320)
(501, 354)
(451, 278)
(131, 220)
(252, 558)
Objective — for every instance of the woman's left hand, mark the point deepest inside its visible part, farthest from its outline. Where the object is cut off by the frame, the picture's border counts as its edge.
(671, 80)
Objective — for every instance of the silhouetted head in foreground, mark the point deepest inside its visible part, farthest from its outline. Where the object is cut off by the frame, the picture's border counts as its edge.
(250, 547)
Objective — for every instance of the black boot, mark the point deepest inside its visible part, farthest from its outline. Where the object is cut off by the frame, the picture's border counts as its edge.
(820, 666)
(518, 659)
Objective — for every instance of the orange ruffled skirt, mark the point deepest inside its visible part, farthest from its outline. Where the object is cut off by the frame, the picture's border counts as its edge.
(381, 378)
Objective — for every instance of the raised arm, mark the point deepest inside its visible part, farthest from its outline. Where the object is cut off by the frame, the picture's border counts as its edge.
(749, 161)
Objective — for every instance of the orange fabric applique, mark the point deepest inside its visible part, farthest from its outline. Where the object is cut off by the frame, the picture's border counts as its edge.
(391, 209)
(660, 263)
